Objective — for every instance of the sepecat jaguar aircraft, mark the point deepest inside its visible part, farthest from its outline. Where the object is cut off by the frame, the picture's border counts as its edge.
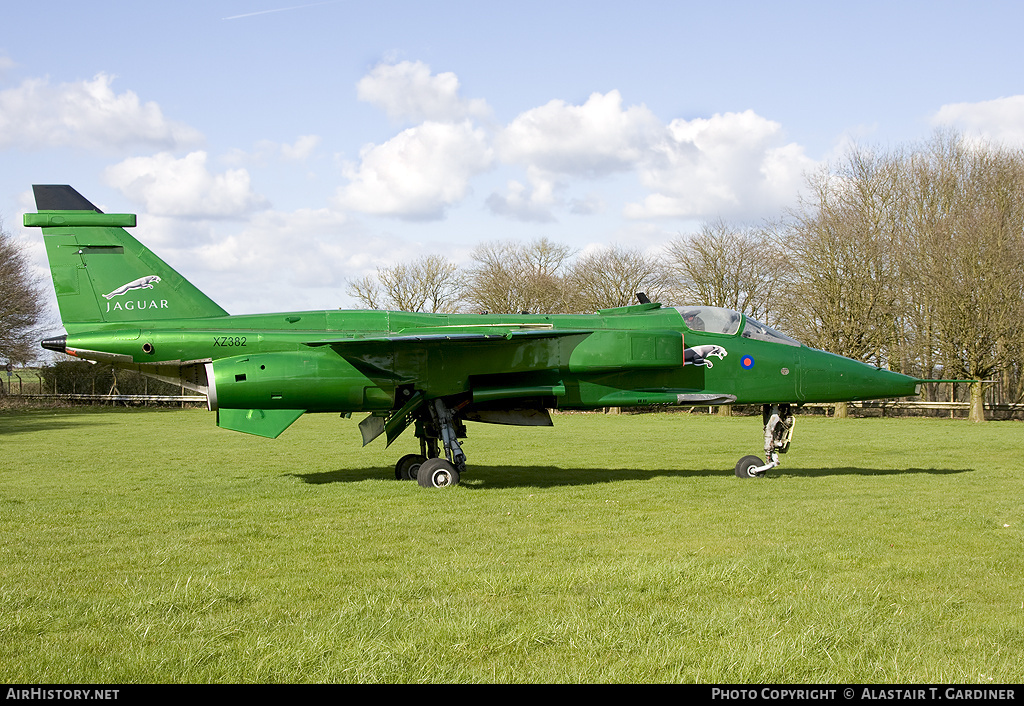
(123, 305)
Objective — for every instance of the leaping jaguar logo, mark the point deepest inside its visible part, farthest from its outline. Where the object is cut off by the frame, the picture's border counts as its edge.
(146, 282)
(699, 355)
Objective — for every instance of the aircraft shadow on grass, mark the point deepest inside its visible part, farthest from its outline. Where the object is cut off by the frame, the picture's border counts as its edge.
(493, 477)
(49, 420)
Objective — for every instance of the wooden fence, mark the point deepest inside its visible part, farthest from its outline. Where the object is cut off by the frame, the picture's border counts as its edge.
(17, 387)
(112, 399)
(897, 408)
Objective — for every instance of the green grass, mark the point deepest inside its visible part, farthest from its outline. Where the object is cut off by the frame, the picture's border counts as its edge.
(151, 546)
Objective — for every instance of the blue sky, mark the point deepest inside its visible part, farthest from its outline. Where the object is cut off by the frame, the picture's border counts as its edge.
(275, 150)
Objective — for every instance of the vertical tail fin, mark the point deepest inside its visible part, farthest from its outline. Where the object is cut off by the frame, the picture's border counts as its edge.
(102, 274)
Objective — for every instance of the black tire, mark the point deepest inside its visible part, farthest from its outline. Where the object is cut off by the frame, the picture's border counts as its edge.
(744, 469)
(407, 466)
(437, 473)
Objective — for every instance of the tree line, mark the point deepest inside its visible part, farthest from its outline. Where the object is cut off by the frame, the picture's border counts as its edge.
(22, 311)
(910, 259)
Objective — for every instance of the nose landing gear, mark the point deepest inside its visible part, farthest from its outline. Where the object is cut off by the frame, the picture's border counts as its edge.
(778, 433)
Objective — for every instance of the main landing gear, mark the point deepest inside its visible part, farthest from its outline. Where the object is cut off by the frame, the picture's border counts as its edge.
(778, 433)
(439, 428)
(436, 428)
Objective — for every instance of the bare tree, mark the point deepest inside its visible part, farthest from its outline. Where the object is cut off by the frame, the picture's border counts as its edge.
(21, 302)
(915, 260)
(965, 259)
(841, 244)
(735, 268)
(612, 277)
(427, 284)
(511, 278)
(367, 291)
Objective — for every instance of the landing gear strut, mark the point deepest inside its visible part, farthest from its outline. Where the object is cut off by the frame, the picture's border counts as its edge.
(778, 433)
(436, 428)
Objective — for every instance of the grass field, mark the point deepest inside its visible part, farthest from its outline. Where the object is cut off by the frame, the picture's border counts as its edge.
(151, 546)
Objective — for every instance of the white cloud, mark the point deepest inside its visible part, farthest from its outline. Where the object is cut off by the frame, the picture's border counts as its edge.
(85, 114)
(301, 149)
(593, 139)
(184, 187)
(735, 165)
(305, 257)
(301, 260)
(268, 151)
(408, 92)
(6, 64)
(272, 243)
(527, 204)
(418, 173)
(1000, 120)
(589, 205)
(732, 164)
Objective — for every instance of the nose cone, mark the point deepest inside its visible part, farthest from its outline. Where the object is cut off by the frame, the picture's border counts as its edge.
(827, 377)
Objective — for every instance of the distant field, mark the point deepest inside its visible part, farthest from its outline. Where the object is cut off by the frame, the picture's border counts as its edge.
(151, 546)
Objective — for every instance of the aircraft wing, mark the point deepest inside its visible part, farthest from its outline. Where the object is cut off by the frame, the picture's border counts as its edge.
(441, 361)
(504, 363)
(445, 359)
(438, 336)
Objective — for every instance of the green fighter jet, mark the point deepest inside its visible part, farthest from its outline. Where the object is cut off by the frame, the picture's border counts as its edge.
(123, 305)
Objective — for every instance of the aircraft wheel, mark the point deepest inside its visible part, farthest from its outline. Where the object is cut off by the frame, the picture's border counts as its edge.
(437, 473)
(407, 466)
(745, 468)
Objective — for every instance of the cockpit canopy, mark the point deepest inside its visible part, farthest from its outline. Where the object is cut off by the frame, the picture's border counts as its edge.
(715, 319)
(711, 319)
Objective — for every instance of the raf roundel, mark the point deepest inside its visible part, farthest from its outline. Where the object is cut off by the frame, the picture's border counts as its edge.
(747, 362)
